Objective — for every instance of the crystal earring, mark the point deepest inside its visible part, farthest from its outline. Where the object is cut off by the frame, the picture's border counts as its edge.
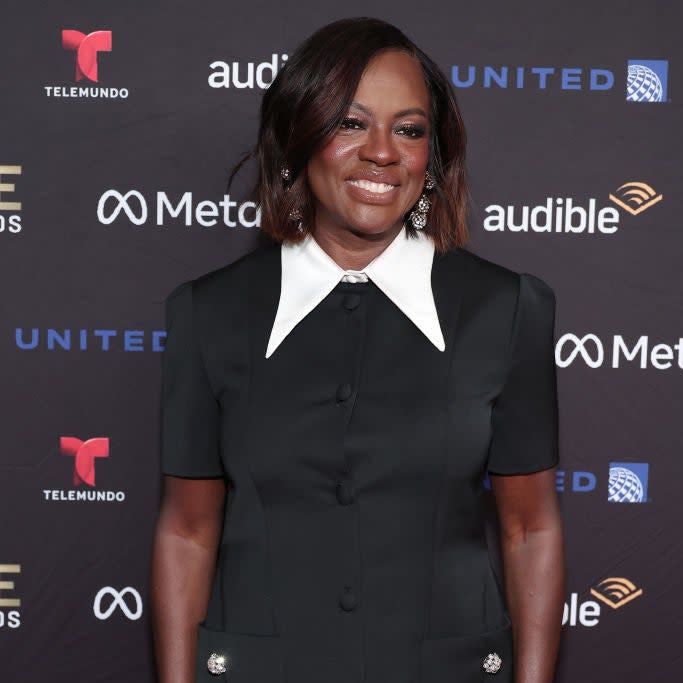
(418, 216)
(430, 183)
(294, 214)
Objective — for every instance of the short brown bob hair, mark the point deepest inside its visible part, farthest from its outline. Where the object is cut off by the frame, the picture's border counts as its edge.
(306, 104)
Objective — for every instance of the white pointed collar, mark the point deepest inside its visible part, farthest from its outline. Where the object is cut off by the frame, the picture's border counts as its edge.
(402, 271)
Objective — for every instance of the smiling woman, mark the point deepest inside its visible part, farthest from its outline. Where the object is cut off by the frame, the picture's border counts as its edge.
(372, 172)
(333, 399)
(360, 102)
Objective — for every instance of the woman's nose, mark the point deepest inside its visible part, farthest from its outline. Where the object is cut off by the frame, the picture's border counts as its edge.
(379, 147)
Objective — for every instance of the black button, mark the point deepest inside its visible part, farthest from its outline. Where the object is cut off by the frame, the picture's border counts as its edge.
(348, 600)
(351, 301)
(344, 492)
(343, 391)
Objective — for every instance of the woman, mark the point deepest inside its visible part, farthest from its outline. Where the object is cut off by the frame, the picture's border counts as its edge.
(332, 401)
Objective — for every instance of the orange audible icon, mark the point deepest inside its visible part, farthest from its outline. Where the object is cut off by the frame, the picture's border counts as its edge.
(635, 197)
(616, 591)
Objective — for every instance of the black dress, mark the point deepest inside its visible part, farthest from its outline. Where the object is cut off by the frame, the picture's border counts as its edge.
(354, 545)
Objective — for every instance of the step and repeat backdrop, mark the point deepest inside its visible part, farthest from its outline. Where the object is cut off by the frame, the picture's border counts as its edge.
(120, 122)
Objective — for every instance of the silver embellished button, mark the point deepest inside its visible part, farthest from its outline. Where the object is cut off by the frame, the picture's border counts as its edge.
(492, 663)
(217, 664)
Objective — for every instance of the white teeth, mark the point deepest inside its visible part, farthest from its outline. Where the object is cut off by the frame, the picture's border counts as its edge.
(372, 187)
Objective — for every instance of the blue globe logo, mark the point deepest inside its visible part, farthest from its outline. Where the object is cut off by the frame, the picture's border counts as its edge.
(643, 84)
(624, 486)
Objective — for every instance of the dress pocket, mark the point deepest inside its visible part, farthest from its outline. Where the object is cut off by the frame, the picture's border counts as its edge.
(244, 658)
(468, 659)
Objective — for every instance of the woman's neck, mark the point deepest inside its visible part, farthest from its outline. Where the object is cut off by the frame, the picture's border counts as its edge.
(353, 250)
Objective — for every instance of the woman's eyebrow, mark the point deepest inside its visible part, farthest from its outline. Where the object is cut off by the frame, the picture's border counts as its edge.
(397, 115)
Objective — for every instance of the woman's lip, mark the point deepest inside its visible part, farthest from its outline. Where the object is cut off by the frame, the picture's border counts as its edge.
(370, 196)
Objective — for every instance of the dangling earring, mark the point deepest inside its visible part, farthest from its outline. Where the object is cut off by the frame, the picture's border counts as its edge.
(418, 216)
(430, 183)
(294, 214)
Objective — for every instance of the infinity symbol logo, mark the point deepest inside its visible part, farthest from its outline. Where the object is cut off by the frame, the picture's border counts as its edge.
(122, 204)
(117, 601)
(580, 347)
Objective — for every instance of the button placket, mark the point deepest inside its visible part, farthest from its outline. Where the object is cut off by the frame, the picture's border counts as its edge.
(354, 306)
(351, 301)
(348, 600)
(344, 392)
(344, 491)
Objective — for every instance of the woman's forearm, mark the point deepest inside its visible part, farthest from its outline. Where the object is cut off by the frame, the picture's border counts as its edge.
(534, 585)
(182, 571)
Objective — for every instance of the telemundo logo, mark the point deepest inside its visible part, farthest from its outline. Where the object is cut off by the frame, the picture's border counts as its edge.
(628, 482)
(646, 80)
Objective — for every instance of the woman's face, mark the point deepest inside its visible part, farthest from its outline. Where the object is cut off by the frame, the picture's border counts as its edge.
(372, 172)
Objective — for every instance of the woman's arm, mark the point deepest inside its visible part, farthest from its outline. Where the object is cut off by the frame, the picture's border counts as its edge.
(186, 541)
(533, 561)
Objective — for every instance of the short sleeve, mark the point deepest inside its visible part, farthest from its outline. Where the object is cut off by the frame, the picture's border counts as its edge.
(525, 414)
(190, 413)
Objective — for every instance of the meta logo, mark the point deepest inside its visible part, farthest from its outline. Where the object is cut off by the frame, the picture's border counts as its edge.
(568, 216)
(85, 454)
(249, 75)
(117, 600)
(617, 351)
(83, 339)
(207, 214)
(646, 80)
(10, 210)
(86, 49)
(10, 615)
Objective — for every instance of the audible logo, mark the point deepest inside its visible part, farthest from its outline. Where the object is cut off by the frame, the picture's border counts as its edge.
(635, 197)
(577, 613)
(10, 223)
(9, 617)
(616, 591)
(261, 75)
(567, 216)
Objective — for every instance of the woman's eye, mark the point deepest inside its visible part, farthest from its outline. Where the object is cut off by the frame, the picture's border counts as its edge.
(412, 131)
(351, 124)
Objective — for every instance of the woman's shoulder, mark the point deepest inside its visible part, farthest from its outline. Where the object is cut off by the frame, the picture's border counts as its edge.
(483, 272)
(232, 279)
